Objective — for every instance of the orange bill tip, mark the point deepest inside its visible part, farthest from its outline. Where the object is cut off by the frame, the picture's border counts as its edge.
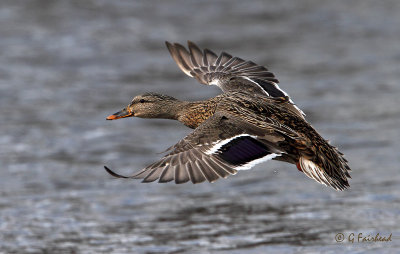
(112, 117)
(121, 114)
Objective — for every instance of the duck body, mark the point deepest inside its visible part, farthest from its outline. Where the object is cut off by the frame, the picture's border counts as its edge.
(296, 141)
(251, 122)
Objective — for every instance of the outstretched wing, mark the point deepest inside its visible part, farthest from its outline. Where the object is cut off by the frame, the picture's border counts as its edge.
(227, 72)
(218, 148)
(224, 144)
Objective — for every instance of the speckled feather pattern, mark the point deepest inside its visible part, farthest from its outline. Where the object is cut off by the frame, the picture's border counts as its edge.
(252, 121)
(271, 115)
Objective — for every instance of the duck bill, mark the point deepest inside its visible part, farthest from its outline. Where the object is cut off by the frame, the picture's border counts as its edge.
(120, 114)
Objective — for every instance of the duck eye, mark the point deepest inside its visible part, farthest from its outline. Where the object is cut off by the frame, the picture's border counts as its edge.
(141, 101)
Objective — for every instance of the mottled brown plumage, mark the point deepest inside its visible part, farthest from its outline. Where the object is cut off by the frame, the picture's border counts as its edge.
(234, 130)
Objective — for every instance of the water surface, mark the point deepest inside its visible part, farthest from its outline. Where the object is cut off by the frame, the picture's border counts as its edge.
(66, 65)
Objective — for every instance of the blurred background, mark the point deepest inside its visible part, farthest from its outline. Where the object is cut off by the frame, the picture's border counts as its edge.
(66, 65)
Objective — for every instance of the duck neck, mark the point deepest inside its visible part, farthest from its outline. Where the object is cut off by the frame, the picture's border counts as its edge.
(192, 114)
(174, 110)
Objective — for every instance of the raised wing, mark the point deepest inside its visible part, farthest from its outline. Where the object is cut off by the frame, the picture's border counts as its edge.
(218, 148)
(227, 72)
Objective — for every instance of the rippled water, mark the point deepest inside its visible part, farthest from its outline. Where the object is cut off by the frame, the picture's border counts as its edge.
(66, 65)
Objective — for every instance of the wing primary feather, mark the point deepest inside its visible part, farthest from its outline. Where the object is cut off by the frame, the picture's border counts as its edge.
(208, 173)
(222, 59)
(184, 56)
(205, 60)
(113, 173)
(211, 57)
(181, 174)
(244, 65)
(153, 175)
(167, 174)
(177, 58)
(216, 168)
(256, 68)
(196, 176)
(232, 62)
(223, 165)
(195, 54)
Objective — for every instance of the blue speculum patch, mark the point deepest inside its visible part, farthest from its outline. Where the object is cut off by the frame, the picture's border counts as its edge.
(242, 150)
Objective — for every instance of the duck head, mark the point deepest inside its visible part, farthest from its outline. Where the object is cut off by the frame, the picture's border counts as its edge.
(149, 105)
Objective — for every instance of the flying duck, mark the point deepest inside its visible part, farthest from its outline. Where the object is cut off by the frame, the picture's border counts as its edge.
(252, 121)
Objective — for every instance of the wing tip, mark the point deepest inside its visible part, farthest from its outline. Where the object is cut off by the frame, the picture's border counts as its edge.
(192, 44)
(169, 46)
(113, 173)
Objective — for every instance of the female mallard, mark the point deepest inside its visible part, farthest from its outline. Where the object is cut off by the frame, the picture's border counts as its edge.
(251, 122)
